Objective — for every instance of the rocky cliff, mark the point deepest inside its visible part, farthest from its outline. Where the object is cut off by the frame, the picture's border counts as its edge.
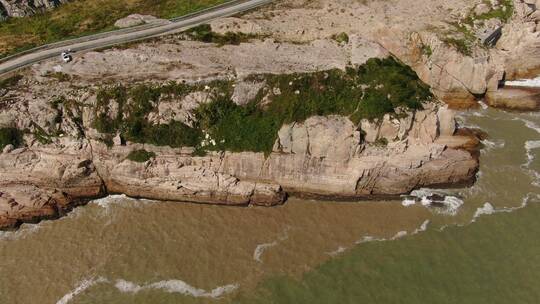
(17, 8)
(322, 156)
(308, 98)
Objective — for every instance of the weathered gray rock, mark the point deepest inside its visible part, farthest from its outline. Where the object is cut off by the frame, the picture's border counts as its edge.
(244, 92)
(22, 8)
(137, 19)
(515, 98)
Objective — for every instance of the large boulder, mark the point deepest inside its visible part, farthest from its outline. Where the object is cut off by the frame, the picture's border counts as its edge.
(136, 19)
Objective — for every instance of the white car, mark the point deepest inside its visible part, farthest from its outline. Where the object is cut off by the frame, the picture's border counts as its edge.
(66, 57)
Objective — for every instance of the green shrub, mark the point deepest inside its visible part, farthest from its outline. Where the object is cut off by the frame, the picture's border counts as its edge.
(427, 50)
(461, 45)
(381, 142)
(370, 91)
(341, 38)
(10, 136)
(141, 156)
(134, 105)
(61, 77)
(204, 33)
(10, 82)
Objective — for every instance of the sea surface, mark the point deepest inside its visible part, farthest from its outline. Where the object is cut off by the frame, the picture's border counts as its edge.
(475, 245)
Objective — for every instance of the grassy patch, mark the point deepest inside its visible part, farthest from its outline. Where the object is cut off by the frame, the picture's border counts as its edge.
(141, 156)
(82, 17)
(461, 45)
(133, 105)
(61, 77)
(10, 136)
(462, 37)
(10, 82)
(379, 87)
(427, 50)
(504, 12)
(204, 33)
(341, 38)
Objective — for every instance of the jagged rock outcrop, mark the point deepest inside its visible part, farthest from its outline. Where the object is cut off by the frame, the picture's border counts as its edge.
(322, 156)
(18, 8)
(515, 98)
(326, 156)
(137, 19)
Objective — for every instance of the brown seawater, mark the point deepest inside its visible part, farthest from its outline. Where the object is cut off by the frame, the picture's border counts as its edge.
(121, 250)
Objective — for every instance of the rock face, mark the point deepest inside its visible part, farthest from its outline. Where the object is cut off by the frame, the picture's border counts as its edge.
(515, 98)
(22, 8)
(136, 19)
(324, 156)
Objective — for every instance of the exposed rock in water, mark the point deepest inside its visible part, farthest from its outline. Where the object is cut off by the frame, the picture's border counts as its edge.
(515, 98)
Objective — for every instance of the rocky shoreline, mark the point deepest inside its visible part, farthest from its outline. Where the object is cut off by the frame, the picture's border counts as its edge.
(174, 119)
(46, 182)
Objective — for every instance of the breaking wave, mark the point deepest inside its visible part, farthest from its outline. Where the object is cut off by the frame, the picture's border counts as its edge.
(170, 286)
(439, 201)
(81, 287)
(490, 145)
(337, 252)
(111, 200)
(175, 286)
(535, 83)
(400, 234)
(21, 233)
(261, 248)
(489, 209)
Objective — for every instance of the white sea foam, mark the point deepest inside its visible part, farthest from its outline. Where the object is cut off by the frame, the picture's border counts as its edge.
(422, 227)
(261, 248)
(368, 238)
(490, 145)
(399, 235)
(175, 286)
(82, 286)
(478, 114)
(531, 125)
(106, 202)
(531, 145)
(450, 204)
(127, 287)
(483, 105)
(408, 202)
(531, 83)
(487, 209)
(21, 233)
(121, 200)
(338, 251)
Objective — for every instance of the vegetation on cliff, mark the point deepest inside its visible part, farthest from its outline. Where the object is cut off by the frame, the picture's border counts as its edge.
(204, 33)
(131, 117)
(379, 87)
(78, 18)
(141, 156)
(5, 84)
(10, 136)
(462, 35)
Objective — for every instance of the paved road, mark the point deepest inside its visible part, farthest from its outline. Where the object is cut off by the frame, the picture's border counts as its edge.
(122, 36)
